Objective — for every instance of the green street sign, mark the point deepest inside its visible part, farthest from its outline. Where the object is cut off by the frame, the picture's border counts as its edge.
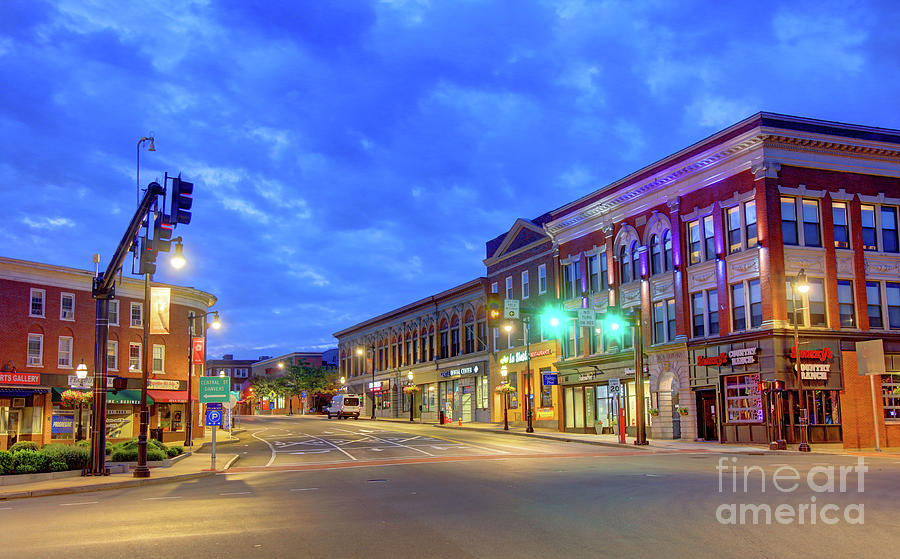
(214, 389)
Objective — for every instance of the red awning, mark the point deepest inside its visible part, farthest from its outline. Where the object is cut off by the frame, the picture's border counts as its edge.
(168, 395)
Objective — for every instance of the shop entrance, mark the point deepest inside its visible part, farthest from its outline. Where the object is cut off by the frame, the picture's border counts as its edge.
(706, 415)
(12, 427)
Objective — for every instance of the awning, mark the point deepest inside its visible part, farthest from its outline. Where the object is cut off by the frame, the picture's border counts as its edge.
(56, 394)
(168, 395)
(126, 397)
(16, 392)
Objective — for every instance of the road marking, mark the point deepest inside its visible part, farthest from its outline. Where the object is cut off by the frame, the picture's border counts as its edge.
(376, 449)
(76, 504)
(322, 451)
(6, 508)
(272, 448)
(332, 444)
(236, 493)
(160, 498)
(389, 442)
(306, 489)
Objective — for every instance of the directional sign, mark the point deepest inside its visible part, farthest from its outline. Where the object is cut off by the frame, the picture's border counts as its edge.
(586, 317)
(214, 389)
(214, 406)
(511, 308)
(214, 418)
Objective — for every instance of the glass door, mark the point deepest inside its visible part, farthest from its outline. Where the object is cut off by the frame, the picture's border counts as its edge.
(12, 426)
(579, 407)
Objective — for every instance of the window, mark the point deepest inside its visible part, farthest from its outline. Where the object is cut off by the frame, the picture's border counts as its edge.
(892, 291)
(525, 289)
(712, 309)
(811, 235)
(788, 221)
(483, 393)
(66, 306)
(495, 335)
(542, 278)
(65, 352)
(890, 390)
(694, 241)
(624, 265)
(655, 255)
(445, 342)
(709, 238)
(738, 308)
(481, 335)
(889, 229)
(112, 355)
(454, 342)
(134, 358)
(698, 313)
(159, 358)
(571, 280)
(35, 350)
(546, 391)
(670, 319)
(470, 338)
(750, 223)
(137, 314)
(659, 322)
(846, 308)
(816, 303)
(37, 303)
(733, 220)
(494, 288)
(113, 315)
(635, 262)
(667, 250)
(873, 300)
(869, 237)
(509, 288)
(593, 273)
(604, 271)
(841, 225)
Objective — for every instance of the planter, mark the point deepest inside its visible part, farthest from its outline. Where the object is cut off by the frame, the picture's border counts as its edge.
(598, 428)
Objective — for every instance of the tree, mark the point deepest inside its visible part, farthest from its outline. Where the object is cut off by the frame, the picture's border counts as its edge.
(315, 380)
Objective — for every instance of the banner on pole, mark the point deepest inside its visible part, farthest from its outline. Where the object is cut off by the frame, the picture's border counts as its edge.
(198, 350)
(160, 298)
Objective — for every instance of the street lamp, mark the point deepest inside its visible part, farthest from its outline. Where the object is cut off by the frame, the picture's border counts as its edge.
(503, 373)
(411, 396)
(151, 147)
(177, 260)
(215, 324)
(802, 285)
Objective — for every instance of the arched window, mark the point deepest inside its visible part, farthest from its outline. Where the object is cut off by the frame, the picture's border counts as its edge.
(655, 255)
(667, 250)
(624, 265)
(635, 262)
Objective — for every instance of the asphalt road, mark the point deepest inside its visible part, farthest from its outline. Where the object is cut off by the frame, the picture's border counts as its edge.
(308, 487)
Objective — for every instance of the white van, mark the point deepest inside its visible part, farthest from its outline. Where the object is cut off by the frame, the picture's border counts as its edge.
(344, 405)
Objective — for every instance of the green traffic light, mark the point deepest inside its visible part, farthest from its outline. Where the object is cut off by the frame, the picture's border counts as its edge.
(552, 318)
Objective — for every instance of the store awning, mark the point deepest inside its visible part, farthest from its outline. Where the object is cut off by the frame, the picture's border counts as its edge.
(11, 392)
(168, 395)
(126, 397)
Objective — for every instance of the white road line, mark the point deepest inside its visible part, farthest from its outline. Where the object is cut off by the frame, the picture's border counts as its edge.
(160, 498)
(332, 444)
(464, 443)
(306, 489)
(76, 504)
(6, 508)
(272, 448)
(393, 443)
(236, 493)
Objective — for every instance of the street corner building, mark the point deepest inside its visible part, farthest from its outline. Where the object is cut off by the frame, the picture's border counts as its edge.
(47, 330)
(753, 261)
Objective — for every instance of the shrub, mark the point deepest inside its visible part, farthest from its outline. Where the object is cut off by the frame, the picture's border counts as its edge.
(173, 451)
(125, 453)
(6, 462)
(74, 457)
(24, 445)
(31, 462)
(84, 444)
(57, 466)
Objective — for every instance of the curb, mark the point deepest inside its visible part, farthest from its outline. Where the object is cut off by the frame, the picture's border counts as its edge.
(545, 437)
(104, 486)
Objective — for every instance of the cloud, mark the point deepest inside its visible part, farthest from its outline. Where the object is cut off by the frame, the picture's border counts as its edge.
(48, 222)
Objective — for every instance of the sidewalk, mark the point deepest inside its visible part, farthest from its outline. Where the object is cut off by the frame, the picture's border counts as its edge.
(189, 465)
(653, 444)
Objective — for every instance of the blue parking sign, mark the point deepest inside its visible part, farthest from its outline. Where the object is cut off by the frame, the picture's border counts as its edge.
(214, 418)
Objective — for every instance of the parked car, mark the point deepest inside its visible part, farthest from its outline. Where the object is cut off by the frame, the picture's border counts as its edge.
(344, 405)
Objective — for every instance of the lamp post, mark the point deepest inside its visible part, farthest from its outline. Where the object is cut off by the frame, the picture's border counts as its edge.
(412, 396)
(215, 324)
(503, 373)
(81, 372)
(151, 147)
(800, 284)
(529, 378)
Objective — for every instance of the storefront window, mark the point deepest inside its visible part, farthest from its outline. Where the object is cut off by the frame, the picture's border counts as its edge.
(62, 424)
(171, 416)
(119, 421)
(514, 395)
(482, 392)
(743, 401)
(429, 398)
(824, 407)
(890, 390)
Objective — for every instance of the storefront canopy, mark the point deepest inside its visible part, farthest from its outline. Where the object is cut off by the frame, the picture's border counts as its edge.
(10, 392)
(168, 395)
(126, 397)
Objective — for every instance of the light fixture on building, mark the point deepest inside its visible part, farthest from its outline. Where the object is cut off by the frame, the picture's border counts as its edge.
(81, 370)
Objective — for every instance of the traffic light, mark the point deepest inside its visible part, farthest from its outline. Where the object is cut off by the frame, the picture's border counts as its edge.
(147, 262)
(181, 201)
(162, 235)
(552, 319)
(613, 322)
(494, 310)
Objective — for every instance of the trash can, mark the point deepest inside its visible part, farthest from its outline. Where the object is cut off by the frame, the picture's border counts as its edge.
(441, 417)
(156, 434)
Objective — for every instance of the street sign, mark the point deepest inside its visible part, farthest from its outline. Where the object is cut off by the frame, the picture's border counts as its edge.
(615, 387)
(586, 317)
(304, 394)
(214, 389)
(214, 418)
(214, 406)
(511, 308)
(232, 401)
(549, 379)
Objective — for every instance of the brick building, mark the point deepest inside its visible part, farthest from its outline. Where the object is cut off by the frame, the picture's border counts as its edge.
(47, 321)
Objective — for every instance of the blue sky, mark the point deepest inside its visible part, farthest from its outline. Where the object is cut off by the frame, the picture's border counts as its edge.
(352, 157)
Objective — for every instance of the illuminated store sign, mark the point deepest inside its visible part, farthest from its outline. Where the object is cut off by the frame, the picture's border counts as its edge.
(521, 356)
(461, 371)
(747, 356)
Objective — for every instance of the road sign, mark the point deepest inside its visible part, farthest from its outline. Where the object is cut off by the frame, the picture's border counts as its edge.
(511, 308)
(214, 418)
(549, 379)
(232, 401)
(214, 406)
(214, 389)
(615, 387)
(586, 317)
(304, 394)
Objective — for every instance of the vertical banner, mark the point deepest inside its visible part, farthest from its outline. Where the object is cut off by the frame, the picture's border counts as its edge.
(159, 310)
(198, 350)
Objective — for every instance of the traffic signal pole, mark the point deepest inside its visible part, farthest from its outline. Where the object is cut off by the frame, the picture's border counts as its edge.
(641, 437)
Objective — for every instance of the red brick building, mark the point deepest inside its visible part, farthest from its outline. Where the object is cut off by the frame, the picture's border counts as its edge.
(47, 321)
(707, 245)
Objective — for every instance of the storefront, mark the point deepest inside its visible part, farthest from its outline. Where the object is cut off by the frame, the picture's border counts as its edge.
(168, 415)
(534, 380)
(463, 393)
(381, 390)
(592, 399)
(22, 400)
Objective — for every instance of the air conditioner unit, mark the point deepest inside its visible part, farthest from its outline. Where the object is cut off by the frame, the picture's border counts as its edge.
(34, 360)
(18, 402)
(68, 315)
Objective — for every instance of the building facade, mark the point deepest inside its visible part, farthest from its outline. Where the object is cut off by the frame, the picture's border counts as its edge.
(440, 341)
(47, 328)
